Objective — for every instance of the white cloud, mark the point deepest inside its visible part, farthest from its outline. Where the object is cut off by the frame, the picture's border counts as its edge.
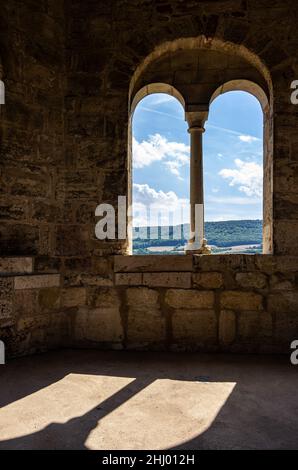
(158, 148)
(163, 206)
(238, 201)
(248, 138)
(159, 98)
(248, 177)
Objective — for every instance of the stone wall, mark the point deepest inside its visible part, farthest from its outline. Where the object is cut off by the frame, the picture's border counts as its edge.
(32, 56)
(68, 68)
(220, 303)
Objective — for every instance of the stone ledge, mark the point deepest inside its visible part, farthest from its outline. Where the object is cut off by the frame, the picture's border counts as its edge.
(152, 263)
(36, 281)
(15, 265)
(163, 279)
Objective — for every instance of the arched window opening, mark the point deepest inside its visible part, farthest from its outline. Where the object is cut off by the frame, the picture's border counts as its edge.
(233, 173)
(160, 175)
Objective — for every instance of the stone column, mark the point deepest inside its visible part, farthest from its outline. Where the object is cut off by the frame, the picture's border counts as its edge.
(197, 242)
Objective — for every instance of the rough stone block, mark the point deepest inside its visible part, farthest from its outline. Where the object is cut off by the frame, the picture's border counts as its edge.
(221, 263)
(283, 302)
(286, 327)
(16, 265)
(208, 280)
(35, 322)
(253, 280)
(141, 296)
(106, 298)
(6, 287)
(237, 300)
(18, 239)
(145, 325)
(6, 310)
(37, 281)
(73, 297)
(49, 299)
(286, 236)
(282, 282)
(254, 326)
(227, 327)
(154, 263)
(72, 240)
(26, 302)
(98, 325)
(128, 279)
(182, 280)
(94, 280)
(194, 325)
(188, 299)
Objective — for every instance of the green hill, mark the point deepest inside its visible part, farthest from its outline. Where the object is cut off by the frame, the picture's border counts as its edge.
(228, 233)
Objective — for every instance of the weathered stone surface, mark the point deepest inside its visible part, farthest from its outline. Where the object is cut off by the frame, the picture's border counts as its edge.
(6, 309)
(283, 302)
(36, 281)
(128, 279)
(72, 240)
(145, 325)
(194, 325)
(73, 297)
(26, 302)
(182, 280)
(49, 299)
(64, 133)
(154, 263)
(16, 265)
(254, 326)
(6, 288)
(227, 327)
(106, 298)
(98, 325)
(222, 263)
(208, 280)
(141, 297)
(285, 327)
(236, 300)
(18, 239)
(282, 282)
(93, 280)
(252, 280)
(179, 298)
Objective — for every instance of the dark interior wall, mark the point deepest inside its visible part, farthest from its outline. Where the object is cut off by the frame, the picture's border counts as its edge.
(31, 124)
(106, 44)
(67, 67)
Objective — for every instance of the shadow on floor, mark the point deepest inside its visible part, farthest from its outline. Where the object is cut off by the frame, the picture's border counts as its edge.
(261, 412)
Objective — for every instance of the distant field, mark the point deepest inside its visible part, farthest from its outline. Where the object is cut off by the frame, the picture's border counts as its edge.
(234, 236)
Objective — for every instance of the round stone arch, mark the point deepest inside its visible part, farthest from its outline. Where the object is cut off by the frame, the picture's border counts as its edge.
(143, 82)
(155, 88)
(203, 43)
(243, 85)
(147, 90)
(258, 92)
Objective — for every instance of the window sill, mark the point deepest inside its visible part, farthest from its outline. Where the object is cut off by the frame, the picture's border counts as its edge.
(181, 263)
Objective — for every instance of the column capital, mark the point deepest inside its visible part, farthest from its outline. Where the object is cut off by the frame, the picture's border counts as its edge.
(196, 116)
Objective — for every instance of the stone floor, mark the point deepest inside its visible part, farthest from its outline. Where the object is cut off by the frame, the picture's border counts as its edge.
(125, 400)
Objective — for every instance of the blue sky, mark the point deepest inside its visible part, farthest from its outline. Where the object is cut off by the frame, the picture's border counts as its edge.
(233, 157)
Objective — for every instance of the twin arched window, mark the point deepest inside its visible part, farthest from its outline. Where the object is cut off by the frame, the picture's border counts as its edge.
(232, 175)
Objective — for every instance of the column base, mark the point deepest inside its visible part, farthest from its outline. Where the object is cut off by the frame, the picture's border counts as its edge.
(197, 248)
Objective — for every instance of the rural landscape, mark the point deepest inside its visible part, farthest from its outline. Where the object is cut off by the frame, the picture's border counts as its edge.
(231, 236)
